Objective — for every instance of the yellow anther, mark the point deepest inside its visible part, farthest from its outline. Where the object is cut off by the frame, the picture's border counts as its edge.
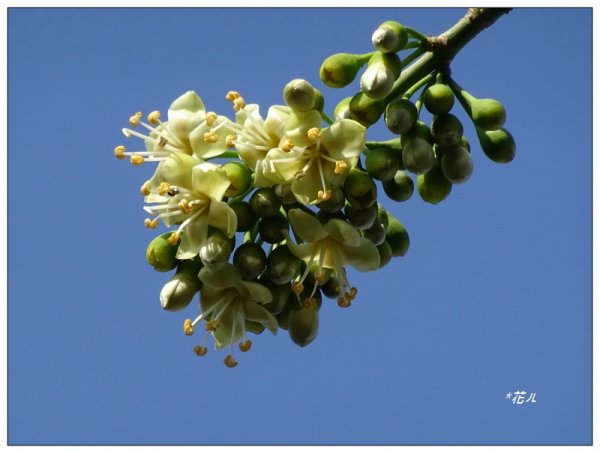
(146, 188)
(343, 302)
(245, 346)
(311, 303)
(353, 292)
(340, 167)
(151, 223)
(211, 325)
(200, 350)
(162, 142)
(185, 206)
(232, 95)
(173, 239)
(239, 104)
(187, 327)
(210, 137)
(314, 133)
(136, 159)
(211, 117)
(120, 152)
(287, 145)
(163, 188)
(324, 196)
(229, 361)
(134, 120)
(153, 117)
(297, 287)
(230, 140)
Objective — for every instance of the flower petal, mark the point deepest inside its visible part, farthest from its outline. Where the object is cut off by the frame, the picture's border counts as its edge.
(221, 216)
(298, 124)
(202, 149)
(305, 251)
(344, 233)
(365, 257)
(185, 114)
(306, 226)
(231, 326)
(221, 276)
(256, 312)
(258, 292)
(276, 120)
(281, 167)
(192, 238)
(209, 180)
(344, 139)
(306, 189)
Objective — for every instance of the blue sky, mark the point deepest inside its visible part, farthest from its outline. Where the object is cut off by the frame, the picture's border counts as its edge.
(494, 295)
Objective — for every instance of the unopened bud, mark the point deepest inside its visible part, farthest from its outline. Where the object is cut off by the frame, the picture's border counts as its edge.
(390, 36)
(179, 291)
(160, 253)
(215, 249)
(299, 95)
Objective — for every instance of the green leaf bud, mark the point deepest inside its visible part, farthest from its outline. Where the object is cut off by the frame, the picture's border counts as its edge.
(215, 249)
(244, 214)
(417, 155)
(447, 130)
(365, 110)
(270, 229)
(360, 189)
(382, 163)
(335, 202)
(378, 79)
(361, 218)
(250, 260)
(390, 36)
(179, 291)
(160, 253)
(240, 178)
(400, 187)
(400, 116)
(457, 165)
(385, 253)
(397, 237)
(264, 202)
(282, 265)
(433, 187)
(340, 69)
(303, 324)
(498, 145)
(299, 95)
(438, 99)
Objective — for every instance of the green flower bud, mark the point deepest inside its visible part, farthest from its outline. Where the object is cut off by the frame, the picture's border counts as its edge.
(400, 116)
(281, 294)
(282, 265)
(340, 69)
(382, 216)
(400, 187)
(390, 36)
(420, 130)
(487, 114)
(365, 110)
(417, 155)
(331, 288)
(179, 291)
(447, 130)
(378, 79)
(375, 233)
(240, 178)
(284, 194)
(385, 253)
(382, 163)
(433, 185)
(397, 237)
(250, 260)
(361, 218)
(244, 214)
(303, 324)
(342, 110)
(335, 202)
(270, 229)
(283, 317)
(319, 101)
(264, 202)
(457, 165)
(498, 145)
(216, 249)
(160, 254)
(299, 95)
(438, 99)
(360, 189)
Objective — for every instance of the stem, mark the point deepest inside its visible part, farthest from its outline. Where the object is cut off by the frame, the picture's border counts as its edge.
(412, 90)
(325, 118)
(445, 47)
(415, 34)
(413, 56)
(462, 96)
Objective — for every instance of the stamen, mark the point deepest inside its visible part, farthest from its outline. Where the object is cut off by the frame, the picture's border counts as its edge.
(211, 325)
(173, 239)
(232, 95)
(163, 188)
(188, 328)
(230, 140)
(297, 288)
(343, 302)
(287, 145)
(136, 159)
(146, 188)
(151, 223)
(154, 117)
(340, 167)
(324, 196)
(134, 120)
(162, 142)
(230, 361)
(200, 350)
(245, 346)
(120, 152)
(314, 133)
(210, 119)
(239, 104)
(184, 205)
(210, 137)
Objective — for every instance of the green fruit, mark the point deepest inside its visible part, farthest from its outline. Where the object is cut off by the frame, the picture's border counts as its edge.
(375, 233)
(382, 216)
(438, 99)
(420, 130)
(239, 176)
(244, 214)
(160, 254)
(361, 218)
(284, 194)
(340, 69)
(364, 109)
(382, 163)
(385, 253)
(401, 116)
(334, 203)
(457, 165)
(281, 294)
(331, 288)
(417, 155)
(447, 130)
(264, 202)
(487, 114)
(250, 260)
(282, 265)
(400, 187)
(498, 145)
(397, 237)
(360, 189)
(271, 228)
(433, 186)
(303, 325)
